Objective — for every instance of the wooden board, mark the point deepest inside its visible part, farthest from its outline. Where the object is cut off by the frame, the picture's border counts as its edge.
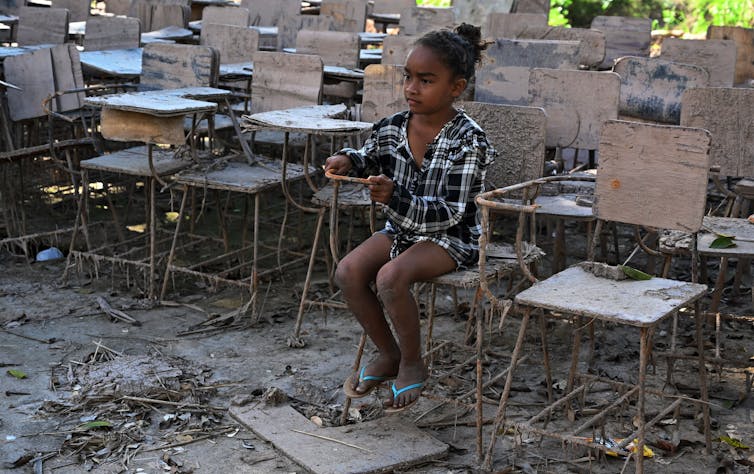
(383, 92)
(126, 126)
(512, 25)
(532, 6)
(503, 78)
(42, 26)
(66, 67)
(744, 38)
(225, 15)
(171, 66)
(79, 10)
(346, 15)
(33, 72)
(391, 443)
(518, 135)
(726, 113)
(624, 36)
(124, 63)
(577, 104)
(157, 103)
(118, 7)
(651, 88)
(591, 42)
(391, 6)
(112, 32)
(395, 49)
(283, 81)
(245, 178)
(236, 44)
(135, 162)
(168, 15)
(285, 14)
(416, 21)
(336, 48)
(644, 169)
(718, 57)
(290, 120)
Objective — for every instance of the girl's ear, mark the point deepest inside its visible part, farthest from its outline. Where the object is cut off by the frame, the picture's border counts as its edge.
(459, 85)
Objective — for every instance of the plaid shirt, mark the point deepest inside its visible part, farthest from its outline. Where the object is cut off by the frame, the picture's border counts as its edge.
(434, 203)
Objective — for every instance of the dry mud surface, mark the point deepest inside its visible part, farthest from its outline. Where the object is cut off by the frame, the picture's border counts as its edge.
(102, 395)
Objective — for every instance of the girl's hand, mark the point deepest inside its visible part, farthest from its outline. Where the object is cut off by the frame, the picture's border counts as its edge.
(381, 188)
(338, 164)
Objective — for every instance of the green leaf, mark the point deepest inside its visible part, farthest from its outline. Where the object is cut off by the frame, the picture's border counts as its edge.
(634, 274)
(94, 424)
(17, 373)
(733, 442)
(722, 242)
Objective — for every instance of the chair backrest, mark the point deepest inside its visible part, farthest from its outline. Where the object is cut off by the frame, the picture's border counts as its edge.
(112, 32)
(282, 81)
(156, 16)
(383, 92)
(726, 113)
(43, 72)
(591, 42)
(236, 44)
(518, 135)
(624, 36)
(10, 7)
(718, 57)
(336, 48)
(285, 14)
(503, 78)
(395, 48)
(345, 15)
(42, 25)
(744, 38)
(118, 7)
(511, 25)
(651, 88)
(531, 6)
(642, 166)
(79, 10)
(229, 15)
(172, 66)
(391, 6)
(419, 20)
(577, 103)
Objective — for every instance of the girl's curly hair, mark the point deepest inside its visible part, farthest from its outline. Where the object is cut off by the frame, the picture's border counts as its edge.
(460, 49)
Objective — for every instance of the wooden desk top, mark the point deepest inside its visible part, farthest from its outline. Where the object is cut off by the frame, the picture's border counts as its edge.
(312, 120)
(159, 103)
(125, 63)
(8, 19)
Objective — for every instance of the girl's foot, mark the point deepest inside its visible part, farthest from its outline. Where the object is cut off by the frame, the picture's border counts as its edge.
(368, 378)
(407, 387)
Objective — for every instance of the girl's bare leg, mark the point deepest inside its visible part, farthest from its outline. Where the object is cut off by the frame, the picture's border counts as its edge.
(354, 275)
(420, 262)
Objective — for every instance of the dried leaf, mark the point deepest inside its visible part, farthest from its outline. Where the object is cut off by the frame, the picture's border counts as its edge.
(19, 374)
(722, 242)
(736, 443)
(634, 274)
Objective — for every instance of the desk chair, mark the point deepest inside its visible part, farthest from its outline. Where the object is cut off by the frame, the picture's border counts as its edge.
(79, 10)
(336, 48)
(718, 57)
(415, 21)
(285, 14)
(112, 32)
(236, 16)
(624, 36)
(42, 25)
(639, 164)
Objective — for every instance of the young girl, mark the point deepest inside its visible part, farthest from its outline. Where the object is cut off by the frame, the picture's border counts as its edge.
(431, 161)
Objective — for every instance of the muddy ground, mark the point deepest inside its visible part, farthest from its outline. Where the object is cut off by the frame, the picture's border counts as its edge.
(102, 395)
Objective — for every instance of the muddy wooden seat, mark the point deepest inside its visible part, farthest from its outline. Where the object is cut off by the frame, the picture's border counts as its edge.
(651, 88)
(42, 25)
(631, 180)
(504, 77)
(718, 57)
(624, 36)
(112, 32)
(415, 21)
(744, 39)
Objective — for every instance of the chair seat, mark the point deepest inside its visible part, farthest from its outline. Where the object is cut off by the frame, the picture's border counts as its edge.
(633, 302)
(222, 122)
(242, 177)
(676, 242)
(134, 161)
(501, 260)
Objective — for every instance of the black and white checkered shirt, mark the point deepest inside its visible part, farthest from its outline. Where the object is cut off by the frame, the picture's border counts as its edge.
(434, 203)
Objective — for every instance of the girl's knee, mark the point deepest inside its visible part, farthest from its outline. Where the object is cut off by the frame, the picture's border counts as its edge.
(348, 274)
(388, 282)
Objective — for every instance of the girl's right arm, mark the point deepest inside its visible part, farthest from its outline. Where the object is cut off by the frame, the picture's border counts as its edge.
(338, 164)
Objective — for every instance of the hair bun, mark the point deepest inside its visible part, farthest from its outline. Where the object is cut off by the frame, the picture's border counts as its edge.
(472, 34)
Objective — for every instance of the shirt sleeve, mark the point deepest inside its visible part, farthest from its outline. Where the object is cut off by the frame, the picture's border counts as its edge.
(364, 157)
(432, 214)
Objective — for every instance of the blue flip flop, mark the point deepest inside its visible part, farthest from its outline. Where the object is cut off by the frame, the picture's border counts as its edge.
(397, 392)
(348, 384)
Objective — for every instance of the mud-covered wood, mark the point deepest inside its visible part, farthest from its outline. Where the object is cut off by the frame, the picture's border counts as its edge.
(33, 71)
(577, 103)
(336, 48)
(112, 32)
(133, 161)
(125, 126)
(503, 78)
(383, 92)
(79, 10)
(123, 63)
(156, 16)
(283, 81)
(726, 113)
(645, 168)
(395, 49)
(68, 77)
(346, 15)
(718, 57)
(624, 36)
(651, 88)
(284, 14)
(591, 42)
(171, 66)
(118, 7)
(236, 44)
(159, 103)
(42, 25)
(744, 38)
(419, 20)
(225, 15)
(305, 120)
(242, 177)
(512, 25)
(518, 135)
(531, 6)
(382, 7)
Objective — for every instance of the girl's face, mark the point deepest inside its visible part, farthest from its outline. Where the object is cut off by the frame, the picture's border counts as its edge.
(429, 86)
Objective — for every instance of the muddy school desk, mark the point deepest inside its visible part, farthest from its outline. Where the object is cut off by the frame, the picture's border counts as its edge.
(153, 118)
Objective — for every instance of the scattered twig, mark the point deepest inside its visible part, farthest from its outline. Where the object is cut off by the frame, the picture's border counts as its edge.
(332, 439)
(43, 341)
(116, 313)
(189, 441)
(168, 402)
